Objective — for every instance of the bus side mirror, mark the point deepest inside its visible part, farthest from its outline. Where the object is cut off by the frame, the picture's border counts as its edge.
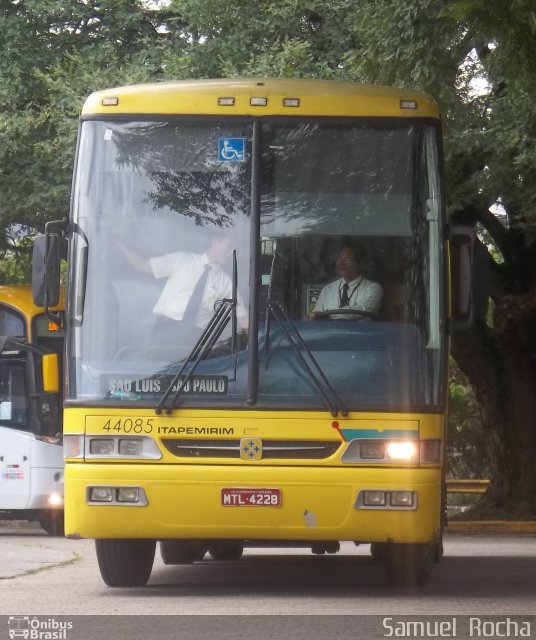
(46, 270)
(462, 277)
(51, 373)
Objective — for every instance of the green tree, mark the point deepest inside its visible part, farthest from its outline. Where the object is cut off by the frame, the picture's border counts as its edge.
(467, 442)
(53, 54)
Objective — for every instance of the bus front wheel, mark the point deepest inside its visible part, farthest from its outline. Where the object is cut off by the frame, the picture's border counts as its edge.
(125, 563)
(406, 565)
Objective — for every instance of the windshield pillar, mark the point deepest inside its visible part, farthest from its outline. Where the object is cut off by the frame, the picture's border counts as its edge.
(254, 275)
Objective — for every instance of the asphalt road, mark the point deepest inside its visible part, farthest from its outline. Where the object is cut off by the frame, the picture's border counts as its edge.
(481, 575)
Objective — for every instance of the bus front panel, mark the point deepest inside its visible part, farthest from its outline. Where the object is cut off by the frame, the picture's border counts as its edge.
(275, 381)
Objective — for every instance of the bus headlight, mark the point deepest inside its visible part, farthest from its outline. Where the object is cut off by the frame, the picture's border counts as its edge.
(55, 500)
(404, 450)
(101, 494)
(386, 451)
(128, 494)
(110, 496)
(374, 498)
(372, 450)
(405, 499)
(385, 500)
(130, 447)
(103, 447)
(115, 447)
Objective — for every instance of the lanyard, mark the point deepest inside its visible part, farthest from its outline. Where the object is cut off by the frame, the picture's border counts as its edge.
(350, 293)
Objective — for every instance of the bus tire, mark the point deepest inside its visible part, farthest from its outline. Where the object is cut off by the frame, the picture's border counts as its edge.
(125, 563)
(182, 551)
(378, 551)
(439, 550)
(226, 549)
(408, 565)
(52, 521)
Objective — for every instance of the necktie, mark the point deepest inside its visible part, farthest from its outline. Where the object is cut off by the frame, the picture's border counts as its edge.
(344, 296)
(192, 307)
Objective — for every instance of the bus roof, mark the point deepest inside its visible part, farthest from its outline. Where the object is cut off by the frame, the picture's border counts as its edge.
(283, 97)
(19, 296)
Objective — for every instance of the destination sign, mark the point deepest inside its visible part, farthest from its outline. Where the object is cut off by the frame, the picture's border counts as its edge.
(196, 384)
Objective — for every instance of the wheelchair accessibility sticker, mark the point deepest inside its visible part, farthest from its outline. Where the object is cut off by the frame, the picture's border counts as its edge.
(231, 149)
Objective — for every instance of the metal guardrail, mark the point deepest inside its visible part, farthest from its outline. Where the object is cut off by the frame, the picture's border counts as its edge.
(467, 486)
(504, 527)
(501, 527)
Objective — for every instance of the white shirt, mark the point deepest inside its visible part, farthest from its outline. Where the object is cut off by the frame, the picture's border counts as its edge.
(364, 295)
(183, 271)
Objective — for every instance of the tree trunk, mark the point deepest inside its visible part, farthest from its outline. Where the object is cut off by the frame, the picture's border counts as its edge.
(500, 364)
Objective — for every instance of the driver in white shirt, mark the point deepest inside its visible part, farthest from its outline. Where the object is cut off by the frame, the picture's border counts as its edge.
(352, 290)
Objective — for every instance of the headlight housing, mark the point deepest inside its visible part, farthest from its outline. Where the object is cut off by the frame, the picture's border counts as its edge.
(110, 447)
(392, 451)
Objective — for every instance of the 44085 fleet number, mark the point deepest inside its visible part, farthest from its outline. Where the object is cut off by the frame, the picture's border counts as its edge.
(128, 425)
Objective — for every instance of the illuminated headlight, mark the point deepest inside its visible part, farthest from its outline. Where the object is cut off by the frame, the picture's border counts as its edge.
(103, 447)
(130, 447)
(372, 450)
(55, 500)
(374, 498)
(384, 451)
(101, 494)
(402, 499)
(405, 450)
(128, 494)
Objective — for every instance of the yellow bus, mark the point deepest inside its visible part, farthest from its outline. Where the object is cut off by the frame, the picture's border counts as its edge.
(223, 390)
(31, 455)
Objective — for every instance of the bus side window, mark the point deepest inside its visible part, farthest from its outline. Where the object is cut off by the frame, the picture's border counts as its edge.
(13, 397)
(11, 324)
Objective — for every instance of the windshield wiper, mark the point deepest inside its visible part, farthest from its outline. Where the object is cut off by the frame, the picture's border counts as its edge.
(21, 345)
(314, 372)
(206, 341)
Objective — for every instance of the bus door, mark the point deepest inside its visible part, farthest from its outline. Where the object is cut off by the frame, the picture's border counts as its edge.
(15, 439)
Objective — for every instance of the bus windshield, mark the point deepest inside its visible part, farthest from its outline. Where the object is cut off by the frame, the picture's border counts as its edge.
(210, 253)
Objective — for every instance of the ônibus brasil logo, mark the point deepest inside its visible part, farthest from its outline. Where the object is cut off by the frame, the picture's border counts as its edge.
(33, 628)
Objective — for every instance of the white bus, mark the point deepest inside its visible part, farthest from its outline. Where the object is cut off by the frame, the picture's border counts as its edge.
(31, 452)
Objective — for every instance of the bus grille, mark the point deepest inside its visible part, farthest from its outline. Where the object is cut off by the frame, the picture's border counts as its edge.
(271, 449)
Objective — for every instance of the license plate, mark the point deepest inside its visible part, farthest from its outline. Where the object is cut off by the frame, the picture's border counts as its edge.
(251, 497)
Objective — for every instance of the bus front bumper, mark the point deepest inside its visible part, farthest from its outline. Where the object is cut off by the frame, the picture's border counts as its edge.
(253, 503)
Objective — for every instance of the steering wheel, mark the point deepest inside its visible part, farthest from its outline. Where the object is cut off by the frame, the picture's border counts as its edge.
(328, 315)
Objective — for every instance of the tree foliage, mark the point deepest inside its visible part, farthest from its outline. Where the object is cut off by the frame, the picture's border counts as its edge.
(476, 58)
(467, 442)
(55, 53)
